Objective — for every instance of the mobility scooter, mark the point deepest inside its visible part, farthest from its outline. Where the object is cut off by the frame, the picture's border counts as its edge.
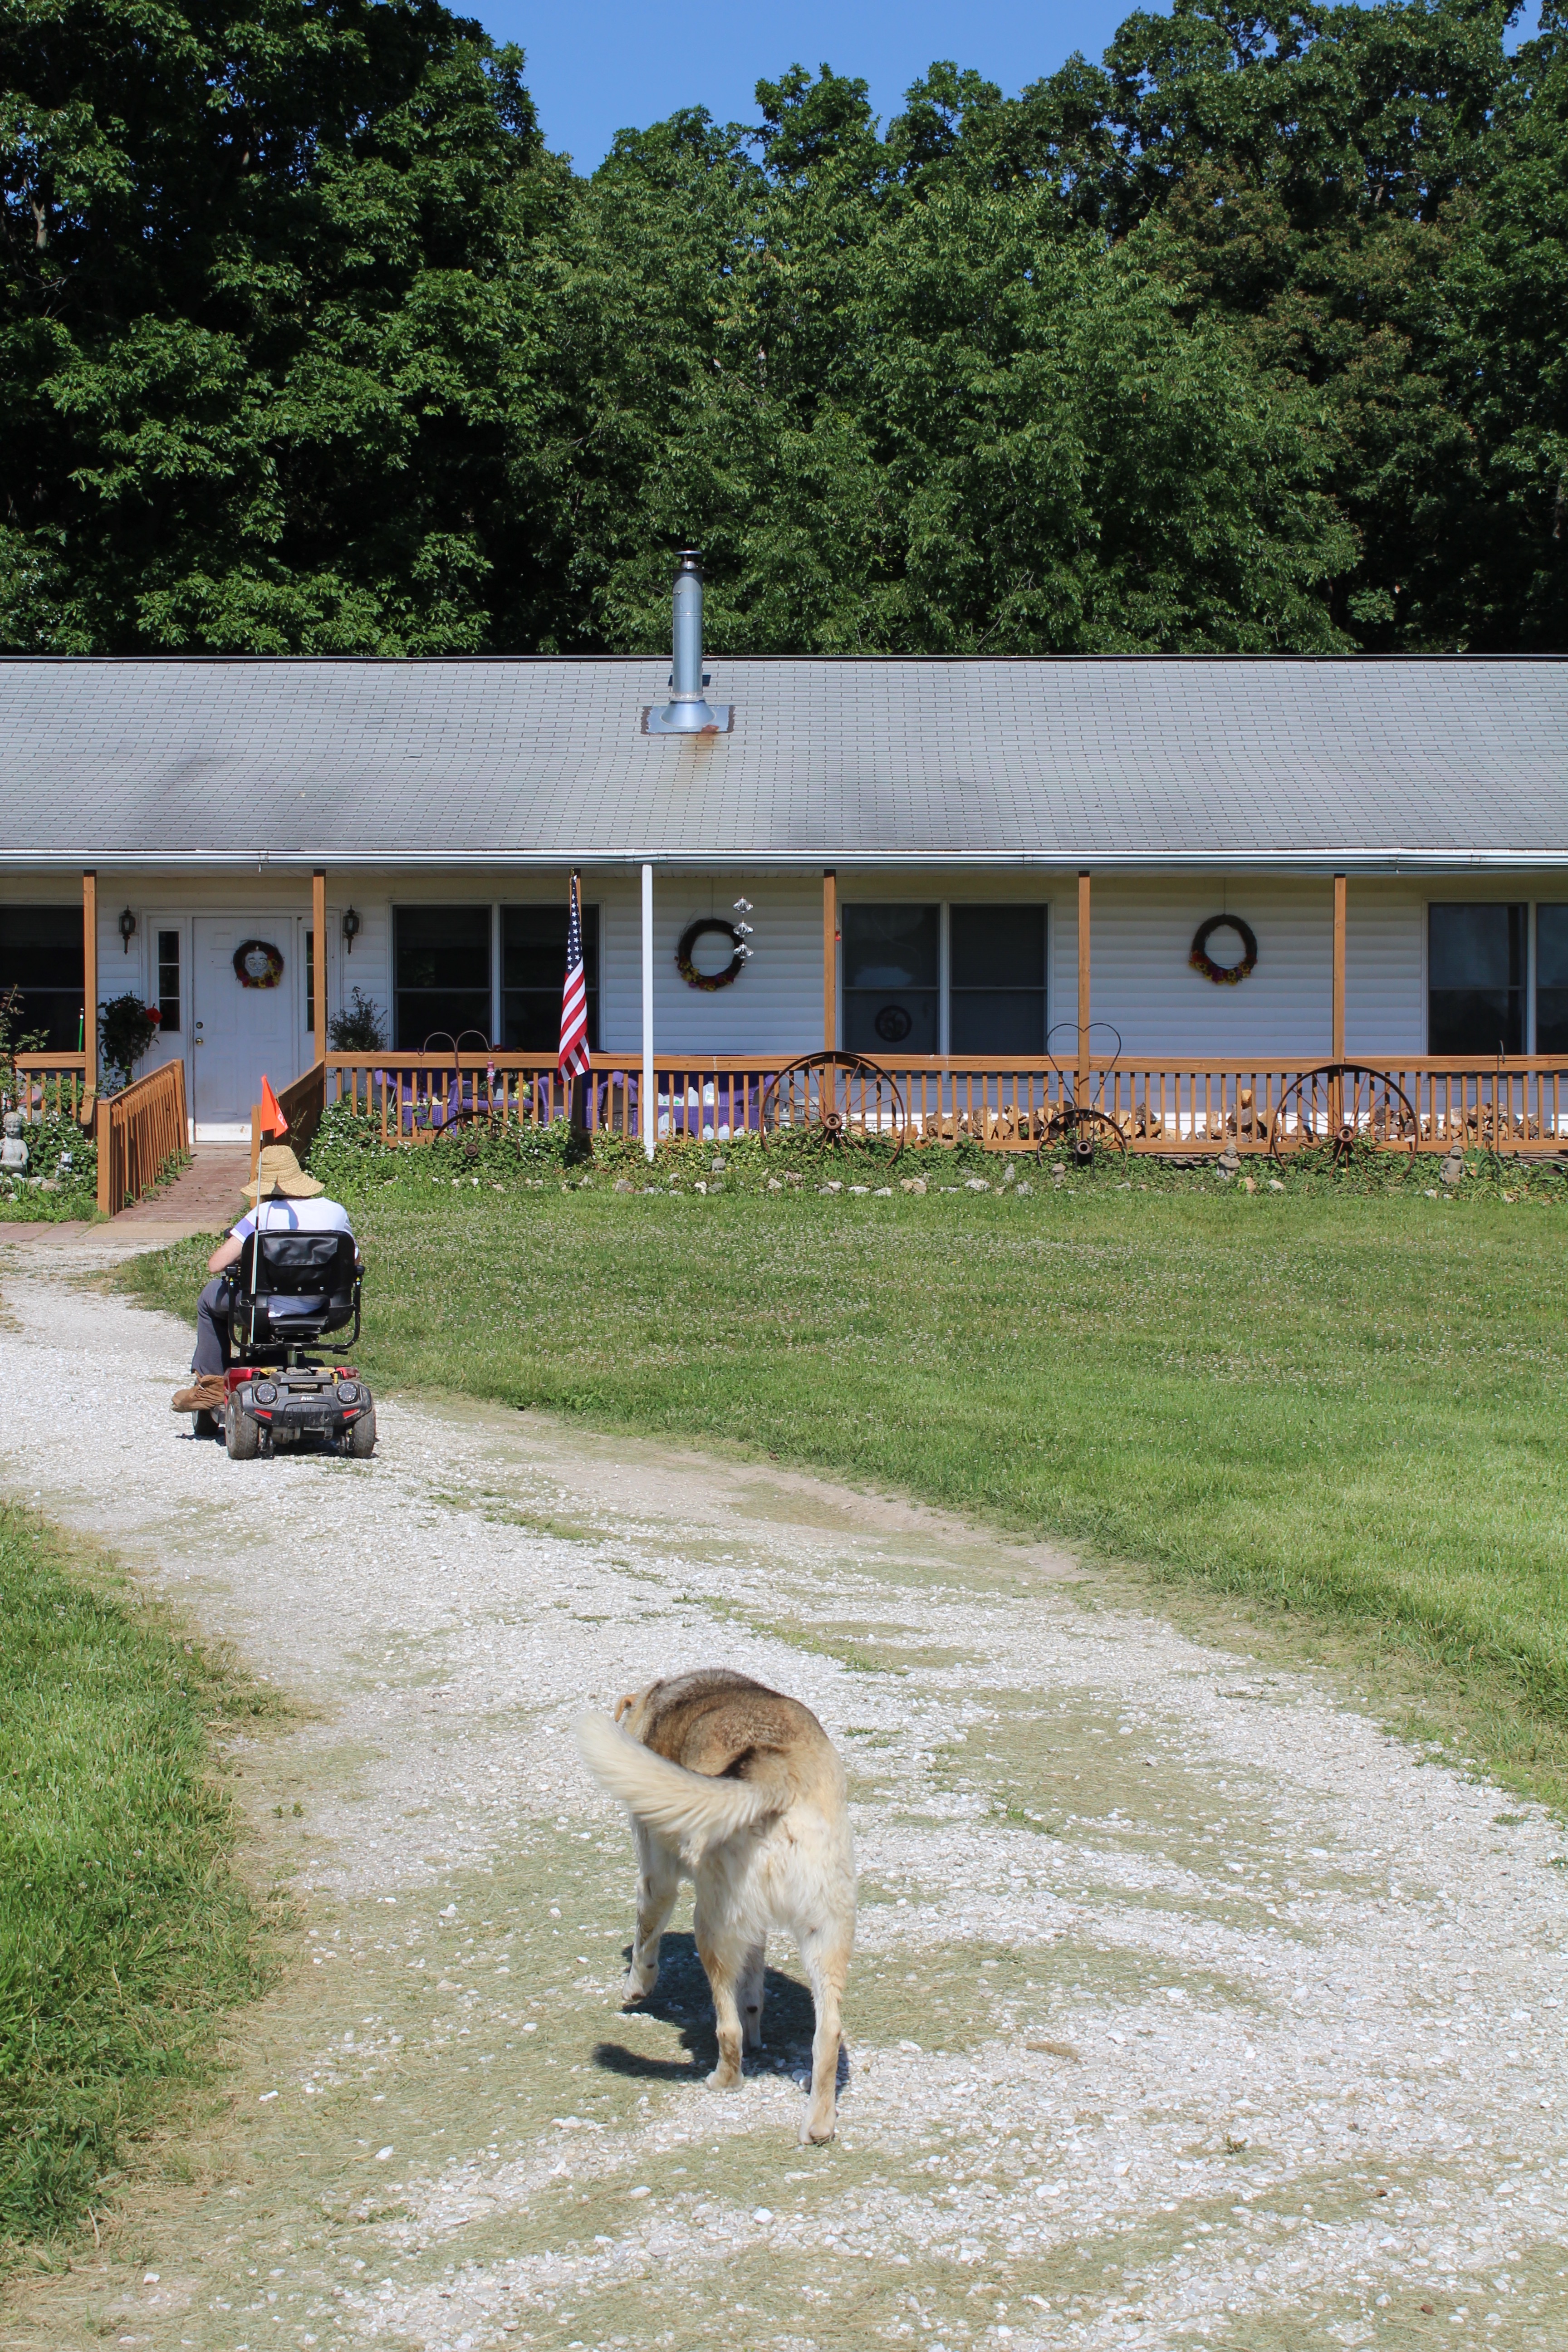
(288, 1290)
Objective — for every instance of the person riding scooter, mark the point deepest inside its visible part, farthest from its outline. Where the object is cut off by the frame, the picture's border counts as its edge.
(283, 1200)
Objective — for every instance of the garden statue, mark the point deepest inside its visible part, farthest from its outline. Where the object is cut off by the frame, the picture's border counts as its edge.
(13, 1150)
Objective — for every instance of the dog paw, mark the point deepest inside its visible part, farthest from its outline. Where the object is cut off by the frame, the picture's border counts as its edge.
(724, 2079)
(815, 2133)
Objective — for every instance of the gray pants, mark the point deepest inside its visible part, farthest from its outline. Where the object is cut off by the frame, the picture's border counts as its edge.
(212, 1327)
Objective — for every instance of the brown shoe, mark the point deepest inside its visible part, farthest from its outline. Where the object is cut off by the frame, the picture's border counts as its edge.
(209, 1394)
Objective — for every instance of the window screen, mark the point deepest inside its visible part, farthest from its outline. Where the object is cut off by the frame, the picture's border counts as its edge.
(997, 980)
(40, 954)
(891, 962)
(168, 983)
(1474, 977)
(442, 973)
(534, 968)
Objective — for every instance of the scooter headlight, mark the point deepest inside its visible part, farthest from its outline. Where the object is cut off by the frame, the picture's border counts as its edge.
(264, 1392)
(348, 1393)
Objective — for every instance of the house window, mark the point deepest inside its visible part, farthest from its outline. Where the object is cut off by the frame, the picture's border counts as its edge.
(1474, 977)
(168, 983)
(892, 978)
(533, 969)
(441, 983)
(40, 954)
(997, 980)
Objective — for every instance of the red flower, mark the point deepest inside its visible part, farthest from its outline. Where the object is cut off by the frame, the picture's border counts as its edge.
(153, 1015)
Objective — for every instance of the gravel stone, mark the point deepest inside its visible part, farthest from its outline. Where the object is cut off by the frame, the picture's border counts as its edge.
(1189, 2004)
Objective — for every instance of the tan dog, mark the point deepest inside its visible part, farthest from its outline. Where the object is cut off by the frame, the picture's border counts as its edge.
(740, 1789)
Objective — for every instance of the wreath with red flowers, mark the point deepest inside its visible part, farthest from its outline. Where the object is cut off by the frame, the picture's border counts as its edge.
(709, 981)
(1224, 975)
(257, 964)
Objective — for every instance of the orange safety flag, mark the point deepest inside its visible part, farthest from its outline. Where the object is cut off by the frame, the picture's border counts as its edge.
(272, 1119)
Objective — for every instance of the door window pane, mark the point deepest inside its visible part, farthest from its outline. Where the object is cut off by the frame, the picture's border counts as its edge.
(533, 971)
(1475, 971)
(40, 954)
(891, 962)
(442, 972)
(998, 980)
(168, 983)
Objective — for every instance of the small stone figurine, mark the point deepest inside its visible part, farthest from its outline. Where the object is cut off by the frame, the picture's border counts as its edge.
(13, 1150)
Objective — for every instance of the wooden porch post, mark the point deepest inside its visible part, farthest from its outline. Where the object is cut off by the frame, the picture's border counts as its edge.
(829, 959)
(89, 977)
(1083, 923)
(319, 925)
(1337, 1010)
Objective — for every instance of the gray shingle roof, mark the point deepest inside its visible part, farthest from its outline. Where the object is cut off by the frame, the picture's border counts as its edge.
(1061, 761)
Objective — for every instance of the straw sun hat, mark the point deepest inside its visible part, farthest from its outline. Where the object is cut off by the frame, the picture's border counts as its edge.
(278, 1172)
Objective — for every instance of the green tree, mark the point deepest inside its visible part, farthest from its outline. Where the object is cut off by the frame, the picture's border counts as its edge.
(267, 348)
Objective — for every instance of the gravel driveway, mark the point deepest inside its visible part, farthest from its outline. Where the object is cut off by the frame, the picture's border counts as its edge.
(1188, 2005)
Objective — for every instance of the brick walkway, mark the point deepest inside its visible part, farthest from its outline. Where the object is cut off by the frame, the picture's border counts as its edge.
(206, 1197)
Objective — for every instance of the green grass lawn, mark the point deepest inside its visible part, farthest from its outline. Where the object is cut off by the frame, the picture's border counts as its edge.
(1345, 1402)
(124, 1931)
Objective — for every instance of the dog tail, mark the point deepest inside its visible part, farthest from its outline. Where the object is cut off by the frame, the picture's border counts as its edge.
(693, 1809)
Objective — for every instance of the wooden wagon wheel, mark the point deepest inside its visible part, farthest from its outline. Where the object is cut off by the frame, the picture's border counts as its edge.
(1342, 1104)
(833, 1101)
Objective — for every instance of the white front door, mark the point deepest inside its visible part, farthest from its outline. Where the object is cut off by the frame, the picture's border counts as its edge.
(240, 1032)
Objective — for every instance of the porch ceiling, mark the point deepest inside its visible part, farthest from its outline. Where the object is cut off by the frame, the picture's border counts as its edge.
(1138, 762)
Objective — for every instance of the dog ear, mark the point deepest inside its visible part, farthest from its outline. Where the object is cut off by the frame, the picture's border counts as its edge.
(630, 1699)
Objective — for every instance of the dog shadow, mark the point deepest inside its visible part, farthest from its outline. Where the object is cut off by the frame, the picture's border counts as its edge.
(681, 1999)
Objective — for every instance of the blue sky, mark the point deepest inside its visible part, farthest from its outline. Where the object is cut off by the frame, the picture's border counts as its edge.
(596, 65)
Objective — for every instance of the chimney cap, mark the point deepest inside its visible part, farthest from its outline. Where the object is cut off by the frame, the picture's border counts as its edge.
(688, 559)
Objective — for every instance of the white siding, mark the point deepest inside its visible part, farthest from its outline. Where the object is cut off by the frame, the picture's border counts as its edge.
(1143, 931)
(775, 1005)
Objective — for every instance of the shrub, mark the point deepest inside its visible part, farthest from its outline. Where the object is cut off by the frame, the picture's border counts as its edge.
(359, 1027)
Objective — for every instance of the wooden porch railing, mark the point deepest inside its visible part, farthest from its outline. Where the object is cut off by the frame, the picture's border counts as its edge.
(1177, 1106)
(55, 1084)
(140, 1131)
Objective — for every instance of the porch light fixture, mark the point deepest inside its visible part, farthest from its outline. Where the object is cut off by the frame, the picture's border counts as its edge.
(127, 927)
(686, 713)
(350, 929)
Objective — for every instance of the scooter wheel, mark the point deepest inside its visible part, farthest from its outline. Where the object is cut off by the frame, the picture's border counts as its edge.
(361, 1436)
(241, 1435)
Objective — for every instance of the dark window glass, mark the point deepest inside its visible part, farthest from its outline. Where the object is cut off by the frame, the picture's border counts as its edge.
(442, 972)
(1475, 974)
(891, 962)
(1551, 979)
(997, 980)
(533, 971)
(168, 983)
(40, 954)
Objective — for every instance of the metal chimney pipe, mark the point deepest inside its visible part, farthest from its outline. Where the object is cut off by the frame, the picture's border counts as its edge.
(686, 671)
(687, 712)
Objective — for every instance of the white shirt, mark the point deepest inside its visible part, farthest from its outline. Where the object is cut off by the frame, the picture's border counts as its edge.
(316, 1216)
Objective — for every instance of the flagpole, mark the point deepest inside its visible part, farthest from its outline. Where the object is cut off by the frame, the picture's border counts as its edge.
(649, 1105)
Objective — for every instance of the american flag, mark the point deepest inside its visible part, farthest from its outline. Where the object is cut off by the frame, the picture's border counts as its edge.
(574, 1057)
